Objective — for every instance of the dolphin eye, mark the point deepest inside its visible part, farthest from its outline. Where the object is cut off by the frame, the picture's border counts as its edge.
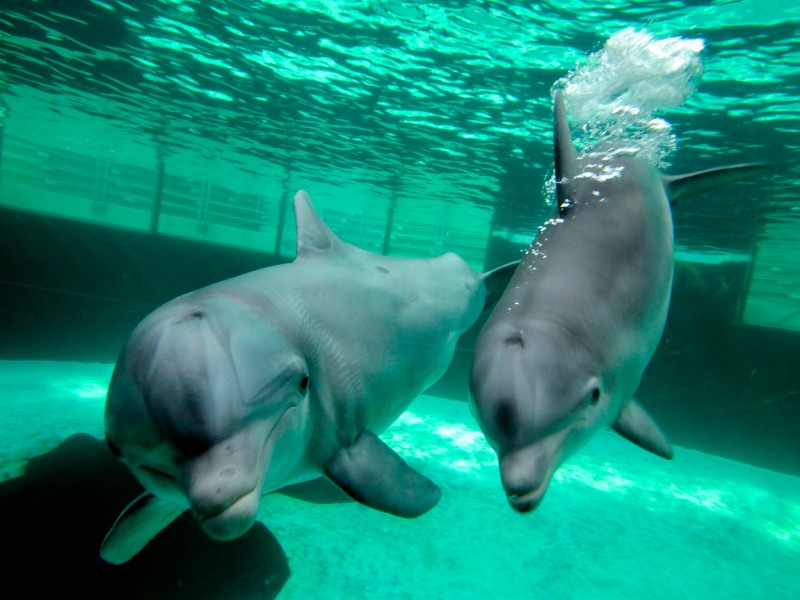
(304, 384)
(595, 395)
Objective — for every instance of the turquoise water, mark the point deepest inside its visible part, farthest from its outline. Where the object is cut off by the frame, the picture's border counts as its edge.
(617, 521)
(417, 128)
(440, 109)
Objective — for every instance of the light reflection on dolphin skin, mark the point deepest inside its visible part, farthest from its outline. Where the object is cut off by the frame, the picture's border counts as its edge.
(565, 347)
(283, 375)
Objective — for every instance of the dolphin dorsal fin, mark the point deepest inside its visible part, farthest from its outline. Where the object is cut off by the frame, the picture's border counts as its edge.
(688, 184)
(566, 156)
(313, 236)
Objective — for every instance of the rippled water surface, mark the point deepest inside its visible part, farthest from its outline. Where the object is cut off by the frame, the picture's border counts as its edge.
(437, 109)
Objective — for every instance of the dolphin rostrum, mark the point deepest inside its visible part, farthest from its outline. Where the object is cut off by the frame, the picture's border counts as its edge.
(283, 375)
(563, 351)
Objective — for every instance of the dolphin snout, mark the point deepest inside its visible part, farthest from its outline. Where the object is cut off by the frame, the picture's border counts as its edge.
(231, 522)
(525, 475)
(525, 502)
(210, 497)
(223, 500)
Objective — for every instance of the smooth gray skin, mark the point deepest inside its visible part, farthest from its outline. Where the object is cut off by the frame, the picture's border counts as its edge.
(562, 353)
(280, 376)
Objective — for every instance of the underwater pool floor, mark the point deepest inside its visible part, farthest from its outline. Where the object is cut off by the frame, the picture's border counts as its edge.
(616, 522)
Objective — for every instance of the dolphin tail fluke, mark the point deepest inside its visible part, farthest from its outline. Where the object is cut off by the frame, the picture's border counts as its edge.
(373, 474)
(496, 282)
(635, 424)
(681, 186)
(139, 523)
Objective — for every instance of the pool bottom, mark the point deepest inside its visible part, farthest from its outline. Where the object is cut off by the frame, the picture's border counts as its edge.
(616, 522)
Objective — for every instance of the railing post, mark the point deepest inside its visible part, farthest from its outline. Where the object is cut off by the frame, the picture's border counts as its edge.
(155, 215)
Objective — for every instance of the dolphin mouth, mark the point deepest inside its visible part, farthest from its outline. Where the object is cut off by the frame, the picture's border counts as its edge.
(524, 501)
(526, 476)
(528, 501)
(232, 518)
(233, 521)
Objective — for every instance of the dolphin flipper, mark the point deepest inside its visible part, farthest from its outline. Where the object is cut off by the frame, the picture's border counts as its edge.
(373, 474)
(496, 282)
(139, 523)
(688, 184)
(635, 424)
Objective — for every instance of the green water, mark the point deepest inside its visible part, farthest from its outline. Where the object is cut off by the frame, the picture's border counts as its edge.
(440, 110)
(420, 128)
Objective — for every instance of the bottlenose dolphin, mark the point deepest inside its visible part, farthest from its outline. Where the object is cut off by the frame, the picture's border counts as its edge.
(563, 351)
(283, 375)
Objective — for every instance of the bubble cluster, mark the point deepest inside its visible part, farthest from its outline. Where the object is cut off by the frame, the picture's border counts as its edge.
(613, 98)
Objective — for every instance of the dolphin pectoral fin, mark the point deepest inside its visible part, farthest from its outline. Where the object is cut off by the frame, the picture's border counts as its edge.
(496, 282)
(373, 474)
(681, 186)
(139, 523)
(318, 491)
(636, 425)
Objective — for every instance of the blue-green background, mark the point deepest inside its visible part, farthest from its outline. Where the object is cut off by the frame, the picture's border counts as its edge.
(148, 148)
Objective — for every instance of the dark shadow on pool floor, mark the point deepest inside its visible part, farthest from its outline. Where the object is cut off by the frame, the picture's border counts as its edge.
(53, 518)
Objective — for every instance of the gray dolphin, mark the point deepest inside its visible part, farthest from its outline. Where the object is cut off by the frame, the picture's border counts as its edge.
(564, 349)
(280, 376)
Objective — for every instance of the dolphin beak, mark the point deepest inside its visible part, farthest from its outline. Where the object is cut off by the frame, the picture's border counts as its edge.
(526, 502)
(232, 522)
(223, 486)
(526, 474)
